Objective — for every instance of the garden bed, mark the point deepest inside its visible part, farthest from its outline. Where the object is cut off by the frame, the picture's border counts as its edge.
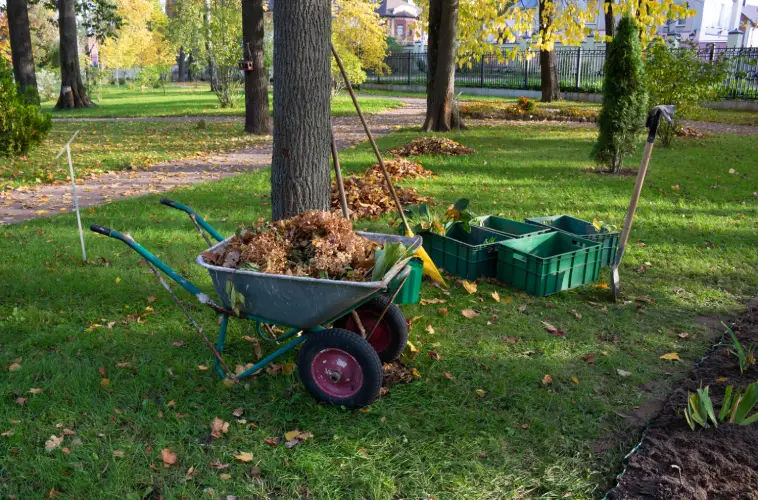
(675, 463)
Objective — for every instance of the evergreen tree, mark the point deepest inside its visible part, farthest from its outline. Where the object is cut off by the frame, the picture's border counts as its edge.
(624, 97)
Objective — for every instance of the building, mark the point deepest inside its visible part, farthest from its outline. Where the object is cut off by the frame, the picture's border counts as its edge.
(403, 21)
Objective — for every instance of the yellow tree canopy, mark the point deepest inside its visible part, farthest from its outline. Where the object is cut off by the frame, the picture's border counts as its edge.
(359, 37)
(141, 41)
(5, 43)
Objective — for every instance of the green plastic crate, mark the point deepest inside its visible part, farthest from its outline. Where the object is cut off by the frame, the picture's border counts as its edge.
(411, 290)
(548, 263)
(583, 229)
(465, 254)
(511, 228)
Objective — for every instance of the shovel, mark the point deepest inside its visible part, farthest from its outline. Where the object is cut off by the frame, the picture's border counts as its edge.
(653, 120)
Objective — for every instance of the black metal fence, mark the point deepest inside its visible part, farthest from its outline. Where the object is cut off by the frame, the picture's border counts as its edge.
(579, 70)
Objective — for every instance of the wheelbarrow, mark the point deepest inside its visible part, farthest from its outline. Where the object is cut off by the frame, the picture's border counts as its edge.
(347, 329)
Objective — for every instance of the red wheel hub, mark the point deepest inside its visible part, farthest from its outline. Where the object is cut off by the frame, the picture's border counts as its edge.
(380, 339)
(337, 373)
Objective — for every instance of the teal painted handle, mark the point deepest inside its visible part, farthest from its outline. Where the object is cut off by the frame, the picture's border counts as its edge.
(184, 208)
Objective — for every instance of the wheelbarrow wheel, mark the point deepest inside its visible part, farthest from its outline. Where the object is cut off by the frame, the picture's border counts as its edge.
(340, 368)
(389, 337)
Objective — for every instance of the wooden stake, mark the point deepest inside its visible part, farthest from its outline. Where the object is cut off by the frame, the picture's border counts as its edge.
(338, 173)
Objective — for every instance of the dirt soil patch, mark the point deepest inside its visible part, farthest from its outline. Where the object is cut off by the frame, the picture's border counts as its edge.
(676, 463)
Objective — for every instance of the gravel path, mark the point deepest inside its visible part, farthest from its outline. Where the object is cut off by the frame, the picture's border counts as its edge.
(31, 202)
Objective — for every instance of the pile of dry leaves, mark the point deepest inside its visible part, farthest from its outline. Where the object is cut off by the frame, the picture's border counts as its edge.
(432, 146)
(369, 197)
(315, 244)
(399, 169)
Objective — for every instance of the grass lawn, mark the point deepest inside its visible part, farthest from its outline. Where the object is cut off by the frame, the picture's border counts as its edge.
(494, 431)
(188, 100)
(104, 146)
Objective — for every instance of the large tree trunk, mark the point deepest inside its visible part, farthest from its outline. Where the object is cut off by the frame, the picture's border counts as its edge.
(257, 119)
(21, 46)
(300, 171)
(610, 19)
(443, 22)
(548, 58)
(190, 60)
(181, 60)
(73, 93)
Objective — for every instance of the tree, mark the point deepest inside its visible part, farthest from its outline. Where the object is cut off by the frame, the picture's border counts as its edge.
(257, 119)
(548, 59)
(73, 93)
(21, 48)
(443, 22)
(224, 49)
(5, 43)
(610, 18)
(624, 97)
(187, 31)
(300, 170)
(43, 24)
(21, 123)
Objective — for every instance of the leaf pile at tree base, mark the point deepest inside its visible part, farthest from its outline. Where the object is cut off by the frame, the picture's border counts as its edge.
(399, 169)
(314, 244)
(432, 146)
(369, 197)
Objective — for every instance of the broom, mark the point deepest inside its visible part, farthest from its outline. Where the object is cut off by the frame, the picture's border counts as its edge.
(429, 268)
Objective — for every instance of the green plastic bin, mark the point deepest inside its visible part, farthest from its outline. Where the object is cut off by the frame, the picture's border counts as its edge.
(465, 254)
(511, 228)
(548, 263)
(583, 229)
(411, 290)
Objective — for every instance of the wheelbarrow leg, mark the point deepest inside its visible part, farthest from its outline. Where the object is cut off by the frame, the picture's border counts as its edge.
(220, 343)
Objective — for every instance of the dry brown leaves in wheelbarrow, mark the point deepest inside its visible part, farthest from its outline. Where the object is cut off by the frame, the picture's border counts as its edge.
(369, 197)
(432, 146)
(315, 244)
(399, 169)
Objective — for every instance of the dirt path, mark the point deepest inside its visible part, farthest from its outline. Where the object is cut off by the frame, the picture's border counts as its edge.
(32, 202)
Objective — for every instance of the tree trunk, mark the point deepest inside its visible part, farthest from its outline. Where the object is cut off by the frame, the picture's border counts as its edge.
(190, 61)
(610, 19)
(257, 119)
(21, 46)
(73, 93)
(443, 21)
(180, 66)
(548, 58)
(300, 171)
(212, 70)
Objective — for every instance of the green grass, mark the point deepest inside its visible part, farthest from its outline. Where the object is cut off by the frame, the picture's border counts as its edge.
(186, 100)
(431, 438)
(106, 146)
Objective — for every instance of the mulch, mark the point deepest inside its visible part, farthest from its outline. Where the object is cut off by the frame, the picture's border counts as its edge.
(676, 463)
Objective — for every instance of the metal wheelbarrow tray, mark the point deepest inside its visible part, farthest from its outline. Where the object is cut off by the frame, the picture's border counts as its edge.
(339, 365)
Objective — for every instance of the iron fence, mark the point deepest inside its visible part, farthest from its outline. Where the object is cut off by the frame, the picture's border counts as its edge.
(579, 70)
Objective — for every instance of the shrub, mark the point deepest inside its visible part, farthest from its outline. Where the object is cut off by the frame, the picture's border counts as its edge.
(21, 123)
(624, 98)
(526, 104)
(678, 76)
(48, 84)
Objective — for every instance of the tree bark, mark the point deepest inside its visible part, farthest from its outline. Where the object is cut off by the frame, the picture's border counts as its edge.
(21, 46)
(300, 171)
(73, 93)
(610, 19)
(190, 61)
(548, 58)
(257, 119)
(180, 66)
(443, 22)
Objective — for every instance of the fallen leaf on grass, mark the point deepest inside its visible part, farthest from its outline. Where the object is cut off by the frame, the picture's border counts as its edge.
(69, 432)
(448, 375)
(168, 457)
(413, 320)
(218, 465)
(575, 380)
(443, 311)
(178, 344)
(118, 280)
(547, 380)
(722, 379)
(151, 299)
(191, 472)
(589, 358)
(202, 368)
(522, 308)
(7, 433)
(171, 403)
(53, 443)
(602, 285)
(105, 382)
(671, 356)
(272, 441)
(225, 476)
(288, 368)
(525, 426)
(553, 330)
(13, 367)
(481, 392)
(415, 373)
(412, 350)
(623, 373)
(103, 372)
(238, 412)
(425, 302)
(219, 428)
(244, 456)
(123, 365)
(684, 335)
(645, 300)
(35, 390)
(118, 453)
(295, 437)
(496, 296)
(469, 313)
(469, 286)
(20, 401)
(576, 314)
(434, 356)
(430, 329)
(67, 451)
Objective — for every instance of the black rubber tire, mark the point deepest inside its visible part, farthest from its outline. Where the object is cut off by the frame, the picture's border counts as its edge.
(359, 349)
(394, 321)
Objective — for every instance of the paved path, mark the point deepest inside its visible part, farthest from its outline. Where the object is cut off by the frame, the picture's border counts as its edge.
(27, 203)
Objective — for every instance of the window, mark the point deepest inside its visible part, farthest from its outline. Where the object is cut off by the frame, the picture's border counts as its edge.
(400, 30)
(682, 21)
(723, 20)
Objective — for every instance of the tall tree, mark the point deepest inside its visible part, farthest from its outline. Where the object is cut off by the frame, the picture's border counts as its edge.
(300, 170)
(610, 18)
(21, 47)
(73, 93)
(5, 44)
(548, 59)
(257, 119)
(443, 23)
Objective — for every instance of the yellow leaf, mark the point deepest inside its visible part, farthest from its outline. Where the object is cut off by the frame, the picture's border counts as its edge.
(469, 286)
(671, 356)
(547, 380)
(244, 456)
(105, 382)
(289, 436)
(496, 296)
(202, 368)
(430, 329)
(35, 390)
(118, 280)
(415, 373)
(412, 348)
(225, 476)
(722, 379)
(575, 380)
(480, 392)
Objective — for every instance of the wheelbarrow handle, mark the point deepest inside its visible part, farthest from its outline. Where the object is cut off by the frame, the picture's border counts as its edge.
(194, 216)
(97, 228)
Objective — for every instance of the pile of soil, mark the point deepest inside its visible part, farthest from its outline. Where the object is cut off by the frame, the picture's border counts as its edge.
(399, 169)
(676, 463)
(432, 146)
(315, 244)
(369, 197)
